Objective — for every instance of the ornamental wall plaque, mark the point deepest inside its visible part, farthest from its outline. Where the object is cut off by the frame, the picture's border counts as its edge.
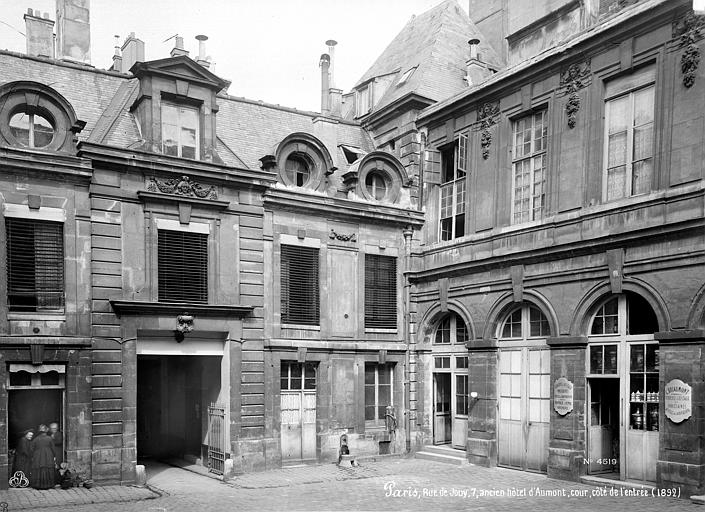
(181, 186)
(487, 117)
(689, 30)
(343, 238)
(573, 79)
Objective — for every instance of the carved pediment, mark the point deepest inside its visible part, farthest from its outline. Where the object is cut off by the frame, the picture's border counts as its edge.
(180, 68)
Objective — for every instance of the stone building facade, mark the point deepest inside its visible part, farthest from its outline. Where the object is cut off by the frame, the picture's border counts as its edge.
(495, 246)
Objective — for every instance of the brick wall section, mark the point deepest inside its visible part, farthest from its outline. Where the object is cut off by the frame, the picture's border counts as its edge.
(106, 369)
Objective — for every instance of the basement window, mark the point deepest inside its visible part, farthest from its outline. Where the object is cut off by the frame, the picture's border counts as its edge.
(182, 266)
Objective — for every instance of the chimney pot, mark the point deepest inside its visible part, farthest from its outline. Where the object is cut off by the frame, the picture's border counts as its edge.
(46, 16)
(202, 51)
(324, 64)
(331, 51)
(474, 43)
(178, 47)
(29, 11)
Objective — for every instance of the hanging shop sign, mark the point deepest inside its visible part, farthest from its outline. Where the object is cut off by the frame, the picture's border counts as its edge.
(678, 402)
(563, 396)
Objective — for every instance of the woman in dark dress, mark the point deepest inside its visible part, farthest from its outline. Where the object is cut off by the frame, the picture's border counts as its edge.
(23, 454)
(43, 461)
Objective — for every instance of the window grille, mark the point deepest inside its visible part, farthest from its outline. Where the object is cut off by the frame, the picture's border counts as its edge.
(380, 291)
(183, 266)
(35, 265)
(300, 298)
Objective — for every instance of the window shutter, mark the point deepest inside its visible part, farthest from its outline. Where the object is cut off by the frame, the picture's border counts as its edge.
(462, 149)
(380, 291)
(35, 265)
(299, 285)
(183, 266)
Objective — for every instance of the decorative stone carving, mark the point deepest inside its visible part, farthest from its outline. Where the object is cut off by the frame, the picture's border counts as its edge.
(182, 186)
(184, 325)
(487, 117)
(343, 238)
(573, 79)
(689, 30)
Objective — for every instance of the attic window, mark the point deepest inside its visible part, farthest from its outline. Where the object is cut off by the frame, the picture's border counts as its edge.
(351, 154)
(406, 76)
(31, 129)
(297, 170)
(180, 130)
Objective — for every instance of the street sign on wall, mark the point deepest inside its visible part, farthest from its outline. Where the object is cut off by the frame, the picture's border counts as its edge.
(563, 396)
(678, 402)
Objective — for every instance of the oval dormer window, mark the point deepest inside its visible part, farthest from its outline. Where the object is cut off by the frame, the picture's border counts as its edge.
(376, 184)
(298, 170)
(31, 129)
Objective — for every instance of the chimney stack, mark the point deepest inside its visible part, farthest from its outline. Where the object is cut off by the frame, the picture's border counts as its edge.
(335, 96)
(202, 60)
(73, 30)
(132, 51)
(477, 71)
(40, 34)
(117, 56)
(324, 63)
(178, 47)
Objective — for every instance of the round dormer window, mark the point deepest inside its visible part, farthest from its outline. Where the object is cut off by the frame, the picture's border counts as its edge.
(297, 170)
(31, 129)
(377, 184)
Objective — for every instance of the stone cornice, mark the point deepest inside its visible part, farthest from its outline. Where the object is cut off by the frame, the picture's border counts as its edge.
(137, 307)
(329, 345)
(678, 337)
(163, 164)
(61, 165)
(342, 208)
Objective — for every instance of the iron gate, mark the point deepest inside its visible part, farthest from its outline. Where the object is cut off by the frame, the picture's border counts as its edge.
(216, 438)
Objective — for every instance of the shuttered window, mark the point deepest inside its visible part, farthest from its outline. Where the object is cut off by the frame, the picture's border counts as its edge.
(35, 265)
(380, 291)
(183, 266)
(299, 285)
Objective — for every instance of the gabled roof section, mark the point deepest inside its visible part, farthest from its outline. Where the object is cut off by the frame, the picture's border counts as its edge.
(436, 44)
(180, 68)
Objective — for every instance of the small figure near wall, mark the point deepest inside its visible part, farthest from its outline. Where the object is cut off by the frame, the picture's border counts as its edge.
(43, 460)
(23, 454)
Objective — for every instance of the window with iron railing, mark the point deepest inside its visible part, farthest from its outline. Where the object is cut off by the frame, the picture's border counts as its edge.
(300, 298)
(529, 161)
(35, 265)
(182, 266)
(453, 189)
(380, 291)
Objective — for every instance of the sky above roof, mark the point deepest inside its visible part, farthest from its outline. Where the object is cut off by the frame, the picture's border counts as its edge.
(269, 49)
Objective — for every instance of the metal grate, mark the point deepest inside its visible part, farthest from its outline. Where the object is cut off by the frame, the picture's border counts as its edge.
(216, 438)
(183, 266)
(35, 265)
(380, 291)
(299, 285)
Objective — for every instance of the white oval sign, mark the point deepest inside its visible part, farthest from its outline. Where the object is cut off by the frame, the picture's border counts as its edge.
(678, 403)
(562, 396)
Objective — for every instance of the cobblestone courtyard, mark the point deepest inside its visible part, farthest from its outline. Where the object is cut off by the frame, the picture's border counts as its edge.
(392, 484)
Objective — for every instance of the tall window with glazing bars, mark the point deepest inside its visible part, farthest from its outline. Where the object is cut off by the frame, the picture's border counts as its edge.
(529, 161)
(453, 189)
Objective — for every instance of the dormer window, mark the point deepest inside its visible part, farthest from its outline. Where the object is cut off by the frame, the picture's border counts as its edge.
(364, 100)
(297, 170)
(31, 129)
(180, 130)
(376, 183)
(406, 76)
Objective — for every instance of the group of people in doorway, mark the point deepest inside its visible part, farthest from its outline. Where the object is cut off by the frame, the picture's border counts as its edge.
(39, 456)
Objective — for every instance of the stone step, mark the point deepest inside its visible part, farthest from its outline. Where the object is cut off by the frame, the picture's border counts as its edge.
(619, 484)
(443, 449)
(440, 457)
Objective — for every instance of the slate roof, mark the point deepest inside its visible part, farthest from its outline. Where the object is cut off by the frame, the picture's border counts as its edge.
(246, 130)
(436, 43)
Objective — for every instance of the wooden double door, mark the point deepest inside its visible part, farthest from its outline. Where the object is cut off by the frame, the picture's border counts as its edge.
(524, 408)
(298, 412)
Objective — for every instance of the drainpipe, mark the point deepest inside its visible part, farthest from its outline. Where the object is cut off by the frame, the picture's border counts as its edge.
(408, 234)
